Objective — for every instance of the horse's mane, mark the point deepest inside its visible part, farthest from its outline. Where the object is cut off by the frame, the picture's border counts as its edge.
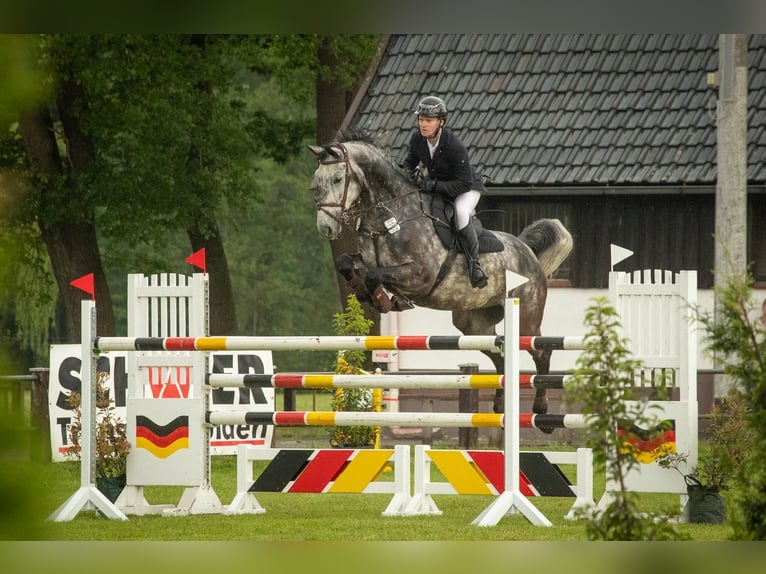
(360, 135)
(355, 135)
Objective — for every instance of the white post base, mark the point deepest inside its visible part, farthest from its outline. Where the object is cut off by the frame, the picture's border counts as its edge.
(197, 500)
(422, 504)
(398, 505)
(510, 502)
(86, 498)
(244, 503)
(131, 501)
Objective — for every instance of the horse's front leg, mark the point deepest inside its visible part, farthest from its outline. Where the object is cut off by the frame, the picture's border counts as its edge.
(406, 280)
(408, 277)
(353, 270)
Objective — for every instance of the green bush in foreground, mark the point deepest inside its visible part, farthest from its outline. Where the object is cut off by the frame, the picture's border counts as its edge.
(739, 345)
(602, 385)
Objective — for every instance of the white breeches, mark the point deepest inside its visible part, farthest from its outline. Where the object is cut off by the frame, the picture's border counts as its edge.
(465, 204)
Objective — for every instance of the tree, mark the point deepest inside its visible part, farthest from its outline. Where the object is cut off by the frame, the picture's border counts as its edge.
(142, 136)
(739, 343)
(66, 209)
(146, 138)
(336, 64)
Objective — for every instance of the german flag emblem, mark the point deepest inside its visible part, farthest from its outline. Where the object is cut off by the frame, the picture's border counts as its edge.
(647, 446)
(162, 440)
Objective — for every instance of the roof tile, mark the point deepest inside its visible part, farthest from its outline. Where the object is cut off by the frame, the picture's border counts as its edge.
(542, 109)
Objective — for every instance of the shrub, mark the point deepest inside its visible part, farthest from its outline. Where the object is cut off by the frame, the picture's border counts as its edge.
(738, 344)
(112, 444)
(602, 385)
(350, 362)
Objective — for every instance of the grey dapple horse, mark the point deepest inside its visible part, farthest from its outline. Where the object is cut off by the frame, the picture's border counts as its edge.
(357, 184)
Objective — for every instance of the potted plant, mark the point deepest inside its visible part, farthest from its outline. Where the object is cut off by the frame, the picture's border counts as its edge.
(720, 461)
(352, 322)
(112, 444)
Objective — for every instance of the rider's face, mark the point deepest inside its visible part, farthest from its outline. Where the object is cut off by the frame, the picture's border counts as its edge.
(429, 127)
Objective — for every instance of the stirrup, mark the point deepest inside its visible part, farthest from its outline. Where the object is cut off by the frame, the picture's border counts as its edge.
(478, 278)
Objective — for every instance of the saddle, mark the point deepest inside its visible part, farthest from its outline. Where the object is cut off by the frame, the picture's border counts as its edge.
(442, 213)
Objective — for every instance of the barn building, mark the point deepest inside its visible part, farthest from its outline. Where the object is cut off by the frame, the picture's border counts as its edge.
(614, 134)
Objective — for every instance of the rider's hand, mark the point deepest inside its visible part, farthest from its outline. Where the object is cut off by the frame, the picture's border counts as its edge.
(416, 177)
(429, 185)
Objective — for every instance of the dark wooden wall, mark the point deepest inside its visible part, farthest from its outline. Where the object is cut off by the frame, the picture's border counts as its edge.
(673, 232)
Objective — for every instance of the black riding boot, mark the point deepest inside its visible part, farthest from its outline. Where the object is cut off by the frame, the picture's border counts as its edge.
(471, 247)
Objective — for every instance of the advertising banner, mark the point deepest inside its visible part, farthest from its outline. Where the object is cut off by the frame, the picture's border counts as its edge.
(164, 382)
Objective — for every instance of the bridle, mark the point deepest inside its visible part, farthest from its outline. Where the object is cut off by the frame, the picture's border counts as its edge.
(351, 213)
(348, 213)
(345, 212)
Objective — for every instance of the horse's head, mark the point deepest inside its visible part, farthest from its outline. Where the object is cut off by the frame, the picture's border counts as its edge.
(337, 186)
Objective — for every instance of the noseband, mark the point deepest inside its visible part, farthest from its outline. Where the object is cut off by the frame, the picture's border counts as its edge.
(344, 211)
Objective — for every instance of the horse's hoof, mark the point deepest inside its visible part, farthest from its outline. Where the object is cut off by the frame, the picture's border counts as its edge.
(344, 265)
(546, 430)
(381, 299)
(540, 405)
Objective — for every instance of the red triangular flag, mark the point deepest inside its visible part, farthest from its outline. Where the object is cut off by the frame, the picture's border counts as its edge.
(85, 283)
(198, 260)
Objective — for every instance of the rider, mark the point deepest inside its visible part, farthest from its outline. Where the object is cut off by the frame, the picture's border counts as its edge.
(449, 173)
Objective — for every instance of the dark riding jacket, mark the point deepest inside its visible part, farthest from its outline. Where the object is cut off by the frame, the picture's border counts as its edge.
(450, 166)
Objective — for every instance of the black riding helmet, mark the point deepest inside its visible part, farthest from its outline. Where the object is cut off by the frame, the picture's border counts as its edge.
(432, 107)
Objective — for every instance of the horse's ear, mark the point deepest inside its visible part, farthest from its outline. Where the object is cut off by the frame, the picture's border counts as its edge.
(323, 152)
(317, 150)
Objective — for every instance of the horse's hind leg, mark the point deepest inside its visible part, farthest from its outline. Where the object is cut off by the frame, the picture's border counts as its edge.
(483, 322)
(542, 361)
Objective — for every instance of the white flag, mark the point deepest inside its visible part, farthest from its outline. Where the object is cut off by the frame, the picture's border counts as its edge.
(619, 254)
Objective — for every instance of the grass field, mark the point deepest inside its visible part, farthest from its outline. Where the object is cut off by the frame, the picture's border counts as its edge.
(328, 533)
(307, 517)
(32, 491)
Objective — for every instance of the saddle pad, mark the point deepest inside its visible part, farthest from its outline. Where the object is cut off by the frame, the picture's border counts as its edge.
(442, 212)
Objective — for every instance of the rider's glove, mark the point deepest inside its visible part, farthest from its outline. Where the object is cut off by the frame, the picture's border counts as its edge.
(430, 185)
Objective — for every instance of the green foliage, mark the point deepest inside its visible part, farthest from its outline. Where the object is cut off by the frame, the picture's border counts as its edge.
(602, 386)
(281, 268)
(21, 81)
(729, 446)
(187, 131)
(353, 322)
(112, 444)
(723, 455)
(738, 343)
(353, 400)
(350, 362)
(295, 63)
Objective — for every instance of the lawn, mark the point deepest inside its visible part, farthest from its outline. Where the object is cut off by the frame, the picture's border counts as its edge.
(322, 533)
(304, 517)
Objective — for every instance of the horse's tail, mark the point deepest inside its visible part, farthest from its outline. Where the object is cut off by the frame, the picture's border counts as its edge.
(550, 241)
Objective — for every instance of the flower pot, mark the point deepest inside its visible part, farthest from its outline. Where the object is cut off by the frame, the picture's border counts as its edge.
(111, 486)
(706, 505)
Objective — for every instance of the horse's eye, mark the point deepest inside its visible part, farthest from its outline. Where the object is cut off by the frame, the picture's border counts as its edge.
(337, 178)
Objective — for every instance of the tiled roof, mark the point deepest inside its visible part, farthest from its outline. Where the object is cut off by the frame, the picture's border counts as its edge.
(580, 109)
